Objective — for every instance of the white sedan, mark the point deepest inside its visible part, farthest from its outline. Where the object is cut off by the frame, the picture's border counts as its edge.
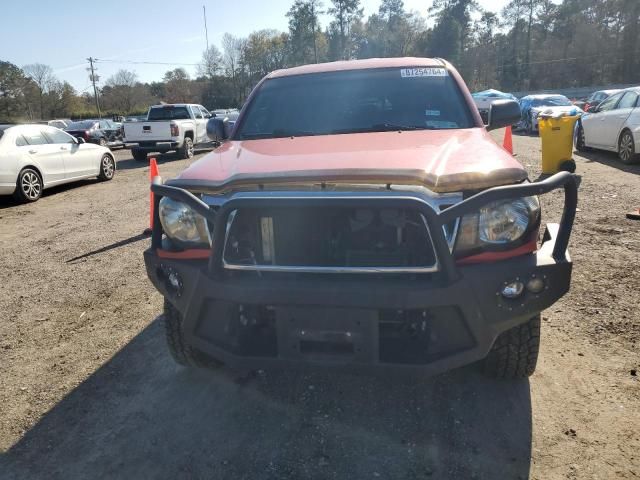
(614, 126)
(35, 157)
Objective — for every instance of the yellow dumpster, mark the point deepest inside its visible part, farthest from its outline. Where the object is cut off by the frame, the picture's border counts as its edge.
(557, 143)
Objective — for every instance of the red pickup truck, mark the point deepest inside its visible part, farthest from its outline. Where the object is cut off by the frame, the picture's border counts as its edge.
(359, 217)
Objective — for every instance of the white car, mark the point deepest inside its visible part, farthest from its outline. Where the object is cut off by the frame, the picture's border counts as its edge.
(36, 157)
(613, 126)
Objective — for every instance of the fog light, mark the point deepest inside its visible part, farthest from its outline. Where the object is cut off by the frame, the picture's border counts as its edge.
(535, 285)
(513, 289)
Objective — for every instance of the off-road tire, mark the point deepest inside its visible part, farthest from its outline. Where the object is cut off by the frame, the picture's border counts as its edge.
(182, 353)
(29, 186)
(107, 168)
(515, 352)
(139, 155)
(186, 151)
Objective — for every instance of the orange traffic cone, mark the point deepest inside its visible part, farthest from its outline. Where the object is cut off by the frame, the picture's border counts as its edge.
(153, 172)
(508, 140)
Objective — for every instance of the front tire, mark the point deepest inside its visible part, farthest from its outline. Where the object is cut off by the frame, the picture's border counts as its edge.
(107, 168)
(139, 155)
(515, 352)
(102, 142)
(29, 186)
(182, 353)
(627, 149)
(186, 152)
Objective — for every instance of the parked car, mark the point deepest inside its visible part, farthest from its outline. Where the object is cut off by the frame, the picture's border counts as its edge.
(484, 99)
(613, 125)
(176, 127)
(349, 221)
(596, 98)
(532, 105)
(59, 123)
(101, 132)
(230, 113)
(36, 157)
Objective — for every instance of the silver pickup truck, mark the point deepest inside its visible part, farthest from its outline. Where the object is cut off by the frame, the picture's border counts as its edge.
(177, 127)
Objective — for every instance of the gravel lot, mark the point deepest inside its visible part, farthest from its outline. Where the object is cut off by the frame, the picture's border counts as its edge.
(87, 387)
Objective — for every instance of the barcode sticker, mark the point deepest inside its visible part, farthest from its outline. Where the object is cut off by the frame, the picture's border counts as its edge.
(423, 72)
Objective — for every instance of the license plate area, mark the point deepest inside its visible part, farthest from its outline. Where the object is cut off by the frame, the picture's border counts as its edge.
(343, 334)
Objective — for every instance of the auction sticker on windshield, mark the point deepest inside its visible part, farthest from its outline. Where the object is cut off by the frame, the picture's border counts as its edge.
(423, 72)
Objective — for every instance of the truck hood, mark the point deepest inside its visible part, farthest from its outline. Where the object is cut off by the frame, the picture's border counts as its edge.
(441, 160)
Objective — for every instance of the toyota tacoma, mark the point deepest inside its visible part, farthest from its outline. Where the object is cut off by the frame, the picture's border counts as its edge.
(359, 217)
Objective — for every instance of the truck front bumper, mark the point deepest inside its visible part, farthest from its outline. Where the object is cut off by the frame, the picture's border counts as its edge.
(426, 323)
(356, 325)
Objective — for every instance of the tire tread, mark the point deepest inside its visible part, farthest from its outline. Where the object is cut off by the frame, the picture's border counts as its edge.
(515, 352)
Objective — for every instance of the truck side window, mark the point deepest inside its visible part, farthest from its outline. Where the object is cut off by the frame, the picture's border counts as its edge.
(196, 112)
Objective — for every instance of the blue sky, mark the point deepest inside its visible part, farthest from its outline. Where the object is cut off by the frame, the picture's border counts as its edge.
(63, 34)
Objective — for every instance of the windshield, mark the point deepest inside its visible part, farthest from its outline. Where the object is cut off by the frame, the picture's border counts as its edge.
(355, 101)
(169, 112)
(85, 125)
(558, 101)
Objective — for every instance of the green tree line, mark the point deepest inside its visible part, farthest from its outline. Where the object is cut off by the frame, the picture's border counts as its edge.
(528, 45)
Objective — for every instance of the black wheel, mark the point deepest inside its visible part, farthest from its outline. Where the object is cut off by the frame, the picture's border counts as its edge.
(107, 168)
(102, 142)
(186, 151)
(29, 186)
(515, 352)
(182, 353)
(567, 166)
(627, 148)
(580, 145)
(139, 155)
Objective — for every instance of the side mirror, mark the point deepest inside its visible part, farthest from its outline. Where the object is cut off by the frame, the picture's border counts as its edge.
(218, 129)
(503, 113)
(80, 140)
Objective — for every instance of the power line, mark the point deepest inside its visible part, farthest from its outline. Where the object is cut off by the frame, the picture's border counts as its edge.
(141, 62)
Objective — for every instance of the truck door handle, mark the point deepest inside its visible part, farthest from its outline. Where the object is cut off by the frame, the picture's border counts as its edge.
(33, 151)
(63, 148)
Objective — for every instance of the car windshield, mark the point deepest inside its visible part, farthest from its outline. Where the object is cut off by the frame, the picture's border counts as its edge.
(84, 125)
(371, 100)
(558, 101)
(169, 112)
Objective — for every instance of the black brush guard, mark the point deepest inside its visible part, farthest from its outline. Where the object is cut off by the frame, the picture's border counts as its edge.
(471, 290)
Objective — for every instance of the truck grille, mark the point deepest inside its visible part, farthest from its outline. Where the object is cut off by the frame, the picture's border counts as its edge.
(328, 239)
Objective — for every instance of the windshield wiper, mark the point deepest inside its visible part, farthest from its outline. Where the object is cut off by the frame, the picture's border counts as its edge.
(278, 134)
(383, 127)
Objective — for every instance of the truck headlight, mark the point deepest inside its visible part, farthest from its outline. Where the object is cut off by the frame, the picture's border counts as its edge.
(182, 224)
(498, 225)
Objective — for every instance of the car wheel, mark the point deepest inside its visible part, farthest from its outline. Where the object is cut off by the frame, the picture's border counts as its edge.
(186, 151)
(107, 168)
(515, 352)
(182, 353)
(102, 142)
(580, 144)
(139, 155)
(29, 186)
(627, 149)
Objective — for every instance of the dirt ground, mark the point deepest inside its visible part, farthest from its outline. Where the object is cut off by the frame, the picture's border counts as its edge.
(87, 387)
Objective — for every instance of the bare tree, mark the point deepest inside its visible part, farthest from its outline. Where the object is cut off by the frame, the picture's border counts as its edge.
(123, 78)
(211, 62)
(42, 76)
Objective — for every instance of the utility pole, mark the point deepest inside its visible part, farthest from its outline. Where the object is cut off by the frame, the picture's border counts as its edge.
(206, 33)
(94, 78)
